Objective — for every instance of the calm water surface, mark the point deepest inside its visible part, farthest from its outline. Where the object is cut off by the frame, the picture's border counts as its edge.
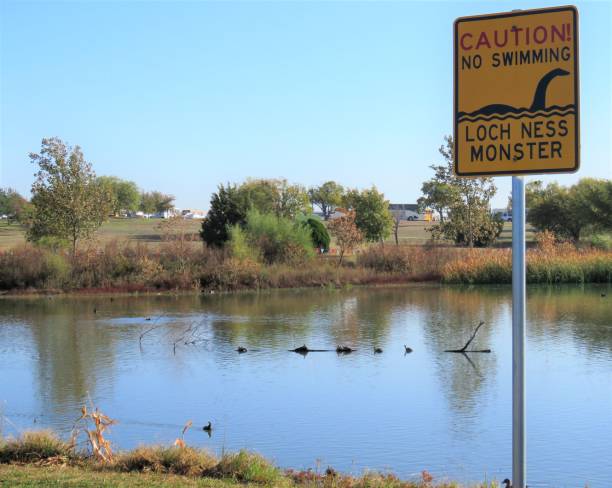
(426, 410)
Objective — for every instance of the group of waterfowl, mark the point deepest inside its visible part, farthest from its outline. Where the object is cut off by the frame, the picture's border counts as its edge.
(304, 349)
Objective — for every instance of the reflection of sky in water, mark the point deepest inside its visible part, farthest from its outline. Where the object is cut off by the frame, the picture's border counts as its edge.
(426, 410)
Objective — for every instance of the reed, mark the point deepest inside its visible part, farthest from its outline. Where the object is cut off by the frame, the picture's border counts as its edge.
(561, 263)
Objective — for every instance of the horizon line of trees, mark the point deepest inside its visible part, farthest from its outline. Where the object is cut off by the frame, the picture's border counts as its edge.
(69, 202)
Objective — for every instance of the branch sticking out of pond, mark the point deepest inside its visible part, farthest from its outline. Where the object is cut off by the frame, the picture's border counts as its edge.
(465, 349)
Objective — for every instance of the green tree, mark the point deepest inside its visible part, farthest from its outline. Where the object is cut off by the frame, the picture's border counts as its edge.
(318, 232)
(568, 211)
(464, 201)
(228, 207)
(14, 206)
(68, 202)
(125, 196)
(275, 196)
(439, 192)
(372, 215)
(327, 197)
(155, 201)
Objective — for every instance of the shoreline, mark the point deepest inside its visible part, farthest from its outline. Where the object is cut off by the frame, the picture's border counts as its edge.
(41, 458)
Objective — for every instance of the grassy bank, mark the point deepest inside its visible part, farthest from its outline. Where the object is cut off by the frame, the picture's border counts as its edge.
(126, 267)
(41, 459)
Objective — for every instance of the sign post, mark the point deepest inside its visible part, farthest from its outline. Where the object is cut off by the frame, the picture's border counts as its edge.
(519, 468)
(516, 112)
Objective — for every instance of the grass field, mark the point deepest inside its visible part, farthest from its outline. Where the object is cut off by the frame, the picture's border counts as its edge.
(135, 230)
(147, 231)
(416, 233)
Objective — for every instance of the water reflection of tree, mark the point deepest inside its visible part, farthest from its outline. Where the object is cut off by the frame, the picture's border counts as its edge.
(579, 311)
(74, 355)
(449, 317)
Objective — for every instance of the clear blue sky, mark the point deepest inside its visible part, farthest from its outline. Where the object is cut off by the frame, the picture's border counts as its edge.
(182, 96)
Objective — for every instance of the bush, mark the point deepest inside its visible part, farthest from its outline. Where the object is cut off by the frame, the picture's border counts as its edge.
(275, 239)
(28, 266)
(34, 446)
(601, 241)
(247, 467)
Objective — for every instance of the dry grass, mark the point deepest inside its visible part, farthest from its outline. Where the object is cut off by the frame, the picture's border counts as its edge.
(548, 263)
(179, 265)
(33, 447)
(184, 461)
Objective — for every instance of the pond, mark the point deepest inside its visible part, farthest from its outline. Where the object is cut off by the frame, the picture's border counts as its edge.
(427, 410)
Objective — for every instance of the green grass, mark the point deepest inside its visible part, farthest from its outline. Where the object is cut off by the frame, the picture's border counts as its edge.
(134, 230)
(23, 476)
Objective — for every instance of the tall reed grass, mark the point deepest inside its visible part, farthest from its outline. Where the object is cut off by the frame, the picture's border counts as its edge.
(119, 266)
(562, 263)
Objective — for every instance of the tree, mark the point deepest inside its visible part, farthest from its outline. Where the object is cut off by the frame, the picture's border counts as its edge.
(466, 201)
(568, 211)
(68, 202)
(156, 202)
(292, 200)
(228, 207)
(275, 196)
(14, 206)
(125, 196)
(372, 215)
(347, 234)
(396, 226)
(327, 197)
(318, 232)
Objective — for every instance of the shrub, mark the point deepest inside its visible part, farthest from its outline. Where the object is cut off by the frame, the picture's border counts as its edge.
(247, 467)
(601, 241)
(278, 239)
(28, 266)
(34, 446)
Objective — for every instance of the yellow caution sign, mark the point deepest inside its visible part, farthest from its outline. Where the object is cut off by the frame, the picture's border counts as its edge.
(516, 93)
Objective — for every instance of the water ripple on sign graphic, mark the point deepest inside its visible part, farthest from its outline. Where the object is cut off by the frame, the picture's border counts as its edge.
(518, 113)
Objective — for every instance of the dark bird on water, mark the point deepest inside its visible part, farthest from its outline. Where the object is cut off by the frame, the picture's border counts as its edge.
(407, 349)
(343, 350)
(507, 483)
(377, 350)
(208, 427)
(241, 349)
(148, 318)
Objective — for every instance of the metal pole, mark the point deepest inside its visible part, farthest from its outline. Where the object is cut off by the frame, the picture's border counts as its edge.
(519, 470)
